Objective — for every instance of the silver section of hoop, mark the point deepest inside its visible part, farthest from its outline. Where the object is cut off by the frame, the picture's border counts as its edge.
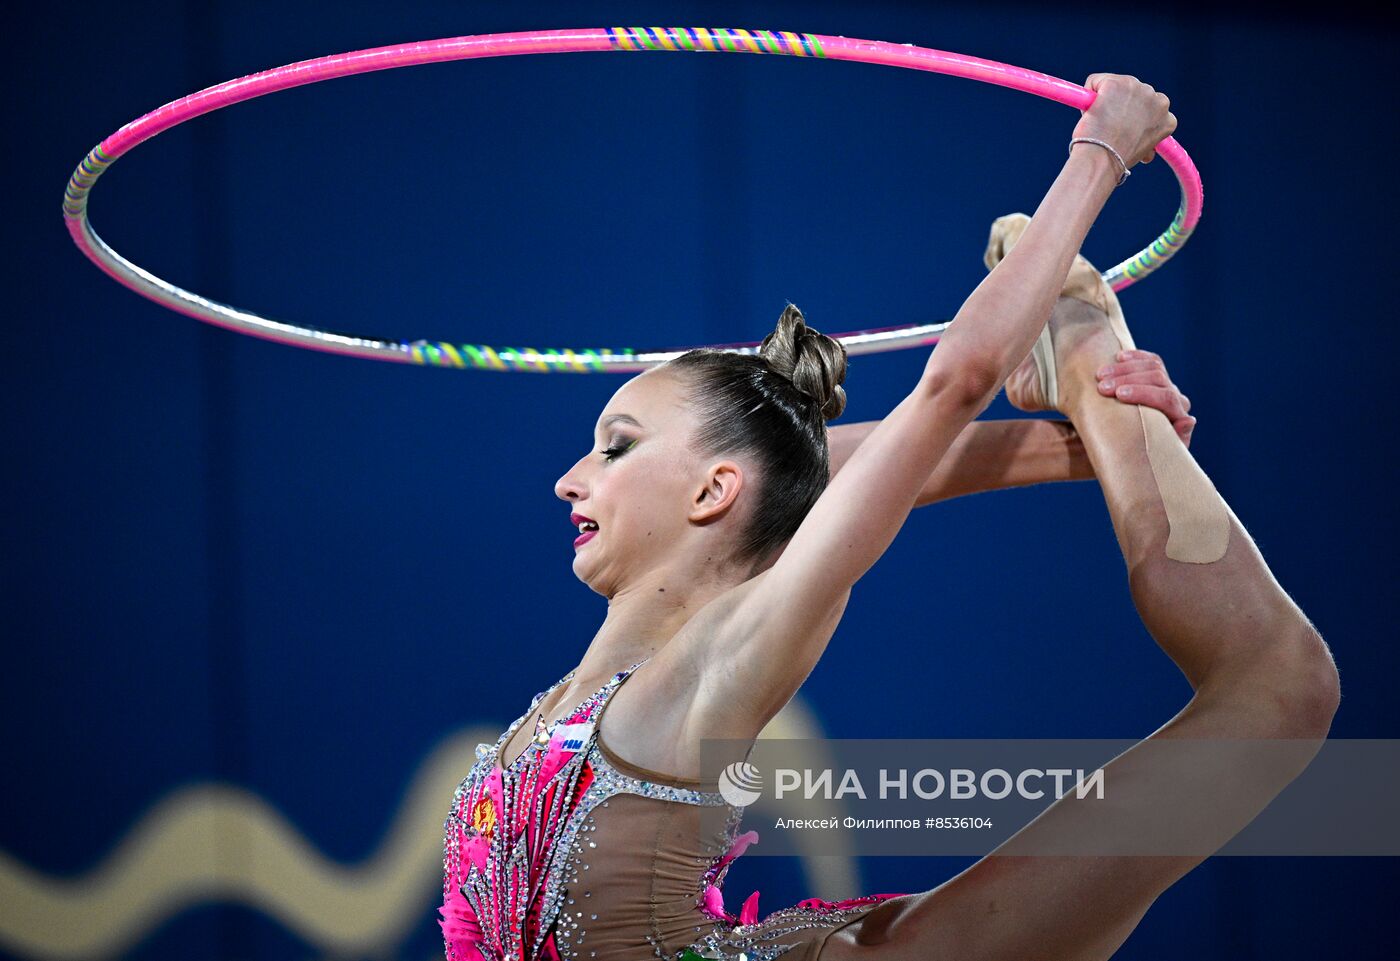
(231, 318)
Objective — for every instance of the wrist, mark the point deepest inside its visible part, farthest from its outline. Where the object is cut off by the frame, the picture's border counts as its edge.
(1105, 153)
(1098, 164)
(1070, 446)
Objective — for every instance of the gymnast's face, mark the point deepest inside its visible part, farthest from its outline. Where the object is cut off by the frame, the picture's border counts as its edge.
(654, 501)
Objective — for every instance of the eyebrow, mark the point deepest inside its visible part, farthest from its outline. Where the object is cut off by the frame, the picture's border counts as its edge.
(611, 419)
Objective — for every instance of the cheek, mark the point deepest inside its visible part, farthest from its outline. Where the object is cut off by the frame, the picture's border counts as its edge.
(652, 490)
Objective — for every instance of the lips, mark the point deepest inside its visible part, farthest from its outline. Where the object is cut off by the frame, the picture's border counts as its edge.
(583, 538)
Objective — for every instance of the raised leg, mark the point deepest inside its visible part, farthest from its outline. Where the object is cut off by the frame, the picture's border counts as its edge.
(1258, 670)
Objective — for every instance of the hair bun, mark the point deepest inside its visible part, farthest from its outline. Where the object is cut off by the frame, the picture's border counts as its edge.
(812, 361)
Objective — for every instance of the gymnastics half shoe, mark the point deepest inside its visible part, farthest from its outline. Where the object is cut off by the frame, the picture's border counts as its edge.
(1084, 283)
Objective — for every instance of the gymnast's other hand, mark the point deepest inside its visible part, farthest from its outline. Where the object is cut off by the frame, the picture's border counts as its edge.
(1140, 377)
(1128, 114)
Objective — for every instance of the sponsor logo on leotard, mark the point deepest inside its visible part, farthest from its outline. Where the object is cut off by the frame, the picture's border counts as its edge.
(574, 736)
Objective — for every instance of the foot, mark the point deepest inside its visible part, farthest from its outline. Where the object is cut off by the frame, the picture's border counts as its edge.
(1086, 330)
(1081, 340)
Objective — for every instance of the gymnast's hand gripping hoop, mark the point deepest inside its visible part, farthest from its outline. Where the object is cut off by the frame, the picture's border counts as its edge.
(547, 360)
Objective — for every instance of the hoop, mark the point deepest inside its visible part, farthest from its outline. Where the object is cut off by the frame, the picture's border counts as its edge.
(695, 39)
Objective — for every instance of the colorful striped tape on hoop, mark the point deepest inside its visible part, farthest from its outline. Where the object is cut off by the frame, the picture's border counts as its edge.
(696, 39)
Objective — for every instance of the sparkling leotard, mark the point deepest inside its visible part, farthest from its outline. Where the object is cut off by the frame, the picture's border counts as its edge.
(573, 852)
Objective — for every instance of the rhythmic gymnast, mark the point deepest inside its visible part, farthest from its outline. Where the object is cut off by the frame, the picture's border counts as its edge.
(725, 524)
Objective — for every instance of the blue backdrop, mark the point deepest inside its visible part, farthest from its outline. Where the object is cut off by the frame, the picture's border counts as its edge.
(259, 602)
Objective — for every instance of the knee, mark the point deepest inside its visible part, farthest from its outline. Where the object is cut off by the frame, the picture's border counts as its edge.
(1304, 685)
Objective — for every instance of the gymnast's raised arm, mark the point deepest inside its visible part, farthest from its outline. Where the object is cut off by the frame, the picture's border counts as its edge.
(778, 623)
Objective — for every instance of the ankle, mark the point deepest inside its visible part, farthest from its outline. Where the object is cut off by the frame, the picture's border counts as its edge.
(1079, 390)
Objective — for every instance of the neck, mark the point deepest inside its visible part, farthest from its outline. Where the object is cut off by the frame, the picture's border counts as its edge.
(644, 617)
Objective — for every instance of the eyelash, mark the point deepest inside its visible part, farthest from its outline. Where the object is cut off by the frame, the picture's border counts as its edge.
(613, 452)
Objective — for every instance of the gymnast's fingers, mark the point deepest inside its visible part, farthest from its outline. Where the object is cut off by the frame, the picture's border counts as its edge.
(1140, 378)
(1124, 367)
(1166, 399)
(1184, 428)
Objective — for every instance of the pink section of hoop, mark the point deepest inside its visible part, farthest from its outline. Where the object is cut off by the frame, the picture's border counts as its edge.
(345, 64)
(596, 39)
(1017, 78)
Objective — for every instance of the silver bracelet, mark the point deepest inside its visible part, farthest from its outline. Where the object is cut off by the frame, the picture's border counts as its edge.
(1109, 148)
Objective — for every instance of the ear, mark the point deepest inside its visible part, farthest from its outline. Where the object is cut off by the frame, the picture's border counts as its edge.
(713, 499)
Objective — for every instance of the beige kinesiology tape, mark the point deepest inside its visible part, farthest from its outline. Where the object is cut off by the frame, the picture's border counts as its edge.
(1198, 521)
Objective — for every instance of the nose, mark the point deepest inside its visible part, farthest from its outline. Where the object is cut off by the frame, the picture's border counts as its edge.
(572, 486)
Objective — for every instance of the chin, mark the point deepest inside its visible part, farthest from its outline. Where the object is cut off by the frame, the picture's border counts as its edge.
(584, 576)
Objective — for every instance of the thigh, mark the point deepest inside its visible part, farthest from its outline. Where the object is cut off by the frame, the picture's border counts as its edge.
(1188, 784)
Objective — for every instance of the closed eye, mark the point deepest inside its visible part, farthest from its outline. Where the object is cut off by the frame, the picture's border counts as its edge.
(613, 452)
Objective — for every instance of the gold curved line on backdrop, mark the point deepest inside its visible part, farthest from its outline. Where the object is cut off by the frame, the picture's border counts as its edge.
(216, 843)
(221, 843)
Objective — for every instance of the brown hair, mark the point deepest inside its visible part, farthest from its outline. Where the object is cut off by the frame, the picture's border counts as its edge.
(772, 405)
